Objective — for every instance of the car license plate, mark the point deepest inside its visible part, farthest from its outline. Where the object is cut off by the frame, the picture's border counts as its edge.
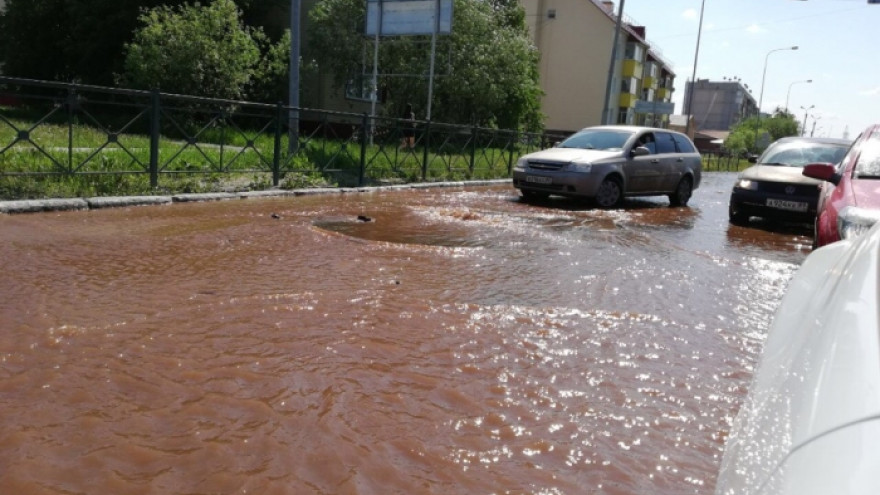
(787, 205)
(537, 179)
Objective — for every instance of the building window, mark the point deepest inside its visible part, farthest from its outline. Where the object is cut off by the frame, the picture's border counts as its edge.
(635, 51)
(359, 88)
(629, 85)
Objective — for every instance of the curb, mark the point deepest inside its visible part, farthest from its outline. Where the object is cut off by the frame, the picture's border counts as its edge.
(95, 203)
(117, 201)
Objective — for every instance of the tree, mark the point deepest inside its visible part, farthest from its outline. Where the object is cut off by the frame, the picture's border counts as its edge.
(745, 136)
(486, 71)
(270, 77)
(29, 52)
(84, 40)
(193, 50)
(272, 16)
(67, 40)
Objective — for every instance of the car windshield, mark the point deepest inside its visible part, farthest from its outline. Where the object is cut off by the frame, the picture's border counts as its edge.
(868, 166)
(598, 139)
(798, 154)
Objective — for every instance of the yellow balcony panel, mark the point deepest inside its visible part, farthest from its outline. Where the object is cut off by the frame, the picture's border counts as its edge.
(664, 93)
(628, 100)
(649, 82)
(632, 68)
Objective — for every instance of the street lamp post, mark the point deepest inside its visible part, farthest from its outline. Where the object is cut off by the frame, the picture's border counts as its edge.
(787, 95)
(806, 112)
(761, 97)
(813, 129)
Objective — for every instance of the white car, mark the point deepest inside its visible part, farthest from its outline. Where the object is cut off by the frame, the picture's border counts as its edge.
(811, 421)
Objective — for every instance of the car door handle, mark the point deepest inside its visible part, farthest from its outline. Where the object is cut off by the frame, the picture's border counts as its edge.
(655, 161)
(680, 159)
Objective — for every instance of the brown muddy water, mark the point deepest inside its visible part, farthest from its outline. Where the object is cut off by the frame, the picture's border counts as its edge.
(460, 342)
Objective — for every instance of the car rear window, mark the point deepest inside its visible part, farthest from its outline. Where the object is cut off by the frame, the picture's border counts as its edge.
(665, 144)
(683, 144)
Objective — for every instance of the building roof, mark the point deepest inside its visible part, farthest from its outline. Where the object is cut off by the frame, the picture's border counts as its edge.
(627, 25)
(711, 134)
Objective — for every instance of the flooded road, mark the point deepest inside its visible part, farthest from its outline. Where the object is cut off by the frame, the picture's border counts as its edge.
(451, 341)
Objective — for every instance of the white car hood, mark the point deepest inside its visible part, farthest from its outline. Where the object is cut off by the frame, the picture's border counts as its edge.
(578, 155)
(819, 373)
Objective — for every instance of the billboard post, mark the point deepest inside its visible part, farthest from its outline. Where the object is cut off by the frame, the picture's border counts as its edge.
(407, 18)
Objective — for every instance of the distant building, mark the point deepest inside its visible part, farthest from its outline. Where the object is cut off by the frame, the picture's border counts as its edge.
(718, 105)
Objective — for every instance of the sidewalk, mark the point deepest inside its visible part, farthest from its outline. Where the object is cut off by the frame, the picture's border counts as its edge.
(44, 205)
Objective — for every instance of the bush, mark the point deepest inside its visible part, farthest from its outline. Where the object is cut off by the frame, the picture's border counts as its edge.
(194, 50)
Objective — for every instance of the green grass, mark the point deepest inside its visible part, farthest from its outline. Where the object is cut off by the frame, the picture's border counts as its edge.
(58, 160)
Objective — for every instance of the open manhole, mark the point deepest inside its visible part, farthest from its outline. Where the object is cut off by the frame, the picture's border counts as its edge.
(415, 228)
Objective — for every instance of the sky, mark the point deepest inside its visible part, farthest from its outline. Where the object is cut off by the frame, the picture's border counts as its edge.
(835, 40)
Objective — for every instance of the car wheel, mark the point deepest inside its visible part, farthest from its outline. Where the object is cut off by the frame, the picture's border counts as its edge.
(682, 193)
(737, 217)
(609, 194)
(528, 195)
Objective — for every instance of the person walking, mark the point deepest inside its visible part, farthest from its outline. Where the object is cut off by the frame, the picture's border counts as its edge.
(408, 139)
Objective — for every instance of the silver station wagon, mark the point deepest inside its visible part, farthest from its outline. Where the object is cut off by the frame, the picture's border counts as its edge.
(607, 163)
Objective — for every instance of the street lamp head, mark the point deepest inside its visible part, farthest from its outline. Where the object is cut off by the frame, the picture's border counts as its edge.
(787, 95)
(795, 47)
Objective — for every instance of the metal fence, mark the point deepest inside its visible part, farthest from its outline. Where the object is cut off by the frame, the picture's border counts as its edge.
(63, 129)
(724, 161)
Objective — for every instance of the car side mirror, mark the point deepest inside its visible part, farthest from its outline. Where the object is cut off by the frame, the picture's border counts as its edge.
(640, 151)
(822, 171)
(753, 158)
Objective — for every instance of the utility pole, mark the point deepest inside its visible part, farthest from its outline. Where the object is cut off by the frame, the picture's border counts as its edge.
(374, 85)
(687, 127)
(293, 89)
(433, 55)
(606, 114)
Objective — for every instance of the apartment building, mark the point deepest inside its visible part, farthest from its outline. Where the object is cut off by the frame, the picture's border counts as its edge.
(718, 105)
(576, 39)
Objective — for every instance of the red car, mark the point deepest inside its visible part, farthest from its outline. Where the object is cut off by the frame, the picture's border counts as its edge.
(849, 203)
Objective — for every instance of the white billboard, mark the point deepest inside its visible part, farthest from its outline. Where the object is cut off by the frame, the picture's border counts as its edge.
(655, 107)
(409, 17)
